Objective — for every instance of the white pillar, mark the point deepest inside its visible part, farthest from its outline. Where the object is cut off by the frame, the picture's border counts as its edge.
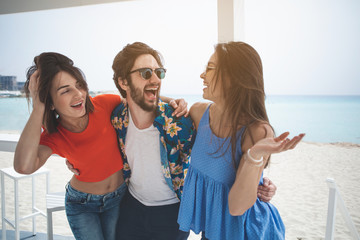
(231, 20)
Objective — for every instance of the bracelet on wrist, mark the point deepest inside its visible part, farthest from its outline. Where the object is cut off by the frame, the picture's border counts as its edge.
(253, 161)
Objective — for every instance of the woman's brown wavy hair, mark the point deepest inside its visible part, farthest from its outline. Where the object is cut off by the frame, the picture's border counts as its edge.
(49, 64)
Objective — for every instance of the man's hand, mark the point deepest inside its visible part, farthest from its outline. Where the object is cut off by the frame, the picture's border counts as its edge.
(267, 190)
(180, 106)
(71, 168)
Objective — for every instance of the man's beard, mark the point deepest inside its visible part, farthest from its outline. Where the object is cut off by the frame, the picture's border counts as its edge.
(138, 97)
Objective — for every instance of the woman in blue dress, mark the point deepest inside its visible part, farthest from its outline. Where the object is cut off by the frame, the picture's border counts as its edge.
(233, 145)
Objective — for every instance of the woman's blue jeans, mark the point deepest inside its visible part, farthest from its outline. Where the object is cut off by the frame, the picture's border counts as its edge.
(93, 217)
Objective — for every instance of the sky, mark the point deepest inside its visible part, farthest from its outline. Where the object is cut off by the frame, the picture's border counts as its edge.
(308, 47)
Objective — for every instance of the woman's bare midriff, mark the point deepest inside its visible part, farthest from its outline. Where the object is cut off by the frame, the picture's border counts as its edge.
(107, 185)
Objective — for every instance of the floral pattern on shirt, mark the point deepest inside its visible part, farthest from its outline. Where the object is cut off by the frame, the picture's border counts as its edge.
(177, 136)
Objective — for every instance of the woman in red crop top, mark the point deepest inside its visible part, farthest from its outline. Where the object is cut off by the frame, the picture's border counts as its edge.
(78, 128)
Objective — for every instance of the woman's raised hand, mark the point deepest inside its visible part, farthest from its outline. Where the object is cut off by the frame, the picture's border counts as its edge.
(278, 144)
(34, 89)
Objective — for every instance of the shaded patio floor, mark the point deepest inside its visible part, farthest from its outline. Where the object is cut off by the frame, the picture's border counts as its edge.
(10, 235)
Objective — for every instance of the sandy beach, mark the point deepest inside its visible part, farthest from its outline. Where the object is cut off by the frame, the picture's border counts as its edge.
(301, 198)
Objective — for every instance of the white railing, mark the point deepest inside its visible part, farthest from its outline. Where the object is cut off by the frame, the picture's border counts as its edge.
(334, 201)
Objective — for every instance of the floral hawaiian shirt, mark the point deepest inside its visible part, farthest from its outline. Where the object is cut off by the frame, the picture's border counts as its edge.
(177, 136)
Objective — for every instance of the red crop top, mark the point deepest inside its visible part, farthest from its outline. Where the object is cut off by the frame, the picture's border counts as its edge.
(94, 151)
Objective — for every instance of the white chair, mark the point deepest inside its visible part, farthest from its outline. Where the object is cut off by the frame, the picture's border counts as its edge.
(54, 202)
(11, 173)
(335, 199)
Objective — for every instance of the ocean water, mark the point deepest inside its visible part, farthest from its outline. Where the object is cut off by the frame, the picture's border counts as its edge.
(14, 113)
(326, 119)
(323, 118)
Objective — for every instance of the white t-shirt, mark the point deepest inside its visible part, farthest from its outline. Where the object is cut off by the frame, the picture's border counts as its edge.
(147, 183)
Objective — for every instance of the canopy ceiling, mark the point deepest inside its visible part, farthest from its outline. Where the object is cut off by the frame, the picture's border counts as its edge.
(230, 12)
(18, 6)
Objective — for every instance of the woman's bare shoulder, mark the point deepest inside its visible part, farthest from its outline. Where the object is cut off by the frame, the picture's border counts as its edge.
(197, 110)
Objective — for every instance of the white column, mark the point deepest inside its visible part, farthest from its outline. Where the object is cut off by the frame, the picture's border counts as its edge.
(231, 20)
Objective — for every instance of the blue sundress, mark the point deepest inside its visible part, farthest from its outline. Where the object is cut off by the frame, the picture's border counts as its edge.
(204, 204)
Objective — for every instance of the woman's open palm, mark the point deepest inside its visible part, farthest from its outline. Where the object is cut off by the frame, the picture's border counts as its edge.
(278, 144)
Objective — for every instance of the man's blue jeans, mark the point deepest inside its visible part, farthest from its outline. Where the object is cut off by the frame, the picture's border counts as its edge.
(93, 217)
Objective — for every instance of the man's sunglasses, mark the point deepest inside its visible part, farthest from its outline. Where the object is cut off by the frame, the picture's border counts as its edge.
(146, 73)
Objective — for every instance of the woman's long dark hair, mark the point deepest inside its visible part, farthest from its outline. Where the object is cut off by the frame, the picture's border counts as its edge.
(49, 64)
(240, 69)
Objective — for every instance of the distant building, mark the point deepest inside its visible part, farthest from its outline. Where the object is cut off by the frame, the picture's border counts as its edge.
(9, 83)
(20, 86)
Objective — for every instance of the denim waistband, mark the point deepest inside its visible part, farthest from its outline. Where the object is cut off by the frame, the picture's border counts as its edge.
(94, 197)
